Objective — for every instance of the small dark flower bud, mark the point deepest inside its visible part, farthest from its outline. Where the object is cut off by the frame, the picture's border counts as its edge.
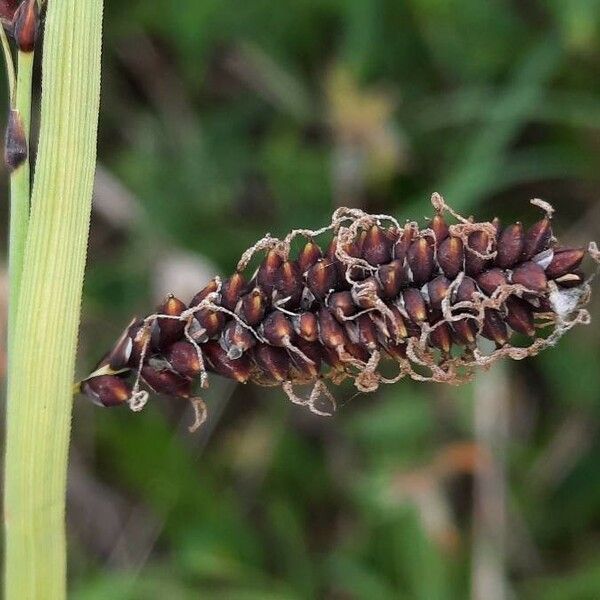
(510, 245)
(267, 272)
(321, 278)
(306, 326)
(15, 142)
(440, 228)
(414, 303)
(120, 355)
(273, 361)
(391, 277)
(238, 369)
(396, 326)
(170, 330)
(537, 238)
(490, 281)
(277, 329)
(564, 261)
(437, 290)
(494, 327)
(231, 291)
(26, 22)
(236, 340)
(288, 284)
(531, 275)
(106, 390)
(376, 247)
(308, 256)
(451, 256)
(420, 260)
(183, 358)
(478, 241)
(342, 305)
(519, 316)
(165, 381)
(404, 242)
(253, 306)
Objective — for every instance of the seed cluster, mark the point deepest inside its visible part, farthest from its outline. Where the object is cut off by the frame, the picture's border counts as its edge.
(423, 300)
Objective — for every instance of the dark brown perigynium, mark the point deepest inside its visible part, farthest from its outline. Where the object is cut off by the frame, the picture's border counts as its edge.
(434, 302)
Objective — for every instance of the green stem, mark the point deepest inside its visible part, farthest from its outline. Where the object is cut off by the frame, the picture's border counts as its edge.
(43, 355)
(19, 193)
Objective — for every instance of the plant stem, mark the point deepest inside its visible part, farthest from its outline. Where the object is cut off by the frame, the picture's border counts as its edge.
(19, 193)
(43, 355)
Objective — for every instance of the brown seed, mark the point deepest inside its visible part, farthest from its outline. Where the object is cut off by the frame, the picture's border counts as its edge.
(367, 293)
(183, 358)
(331, 332)
(451, 256)
(302, 371)
(170, 330)
(25, 25)
(564, 261)
(466, 290)
(440, 228)
(437, 290)
(211, 321)
(376, 247)
(236, 340)
(391, 277)
(238, 369)
(274, 361)
(519, 316)
(211, 287)
(396, 326)
(510, 245)
(119, 356)
(306, 326)
(441, 337)
(404, 242)
(478, 241)
(267, 272)
(490, 281)
(277, 329)
(106, 390)
(165, 381)
(308, 256)
(253, 306)
(367, 332)
(396, 351)
(288, 284)
(530, 275)
(342, 305)
(232, 289)
(494, 328)
(321, 278)
(420, 260)
(537, 238)
(465, 331)
(414, 304)
(332, 358)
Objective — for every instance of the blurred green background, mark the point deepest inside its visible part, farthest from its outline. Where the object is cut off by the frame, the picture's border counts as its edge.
(222, 120)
